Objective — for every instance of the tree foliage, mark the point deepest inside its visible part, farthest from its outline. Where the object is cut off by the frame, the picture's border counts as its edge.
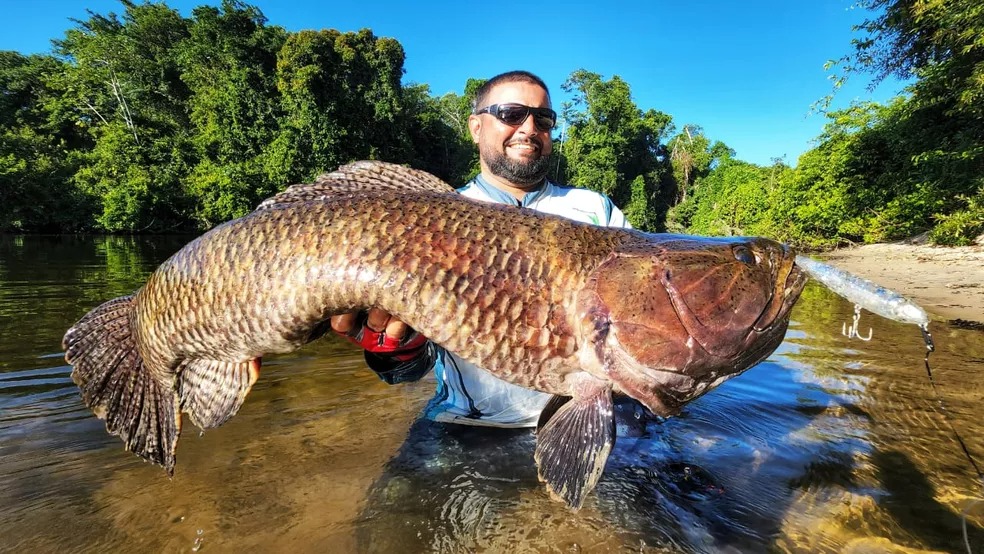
(614, 147)
(438, 129)
(120, 84)
(878, 172)
(149, 121)
(937, 132)
(38, 147)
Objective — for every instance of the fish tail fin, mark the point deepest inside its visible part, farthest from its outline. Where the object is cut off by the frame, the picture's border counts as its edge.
(117, 385)
(212, 391)
(573, 444)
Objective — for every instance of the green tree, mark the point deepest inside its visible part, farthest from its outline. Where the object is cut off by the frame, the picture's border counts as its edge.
(693, 156)
(732, 200)
(438, 130)
(38, 150)
(121, 86)
(940, 42)
(938, 131)
(342, 100)
(613, 147)
(229, 62)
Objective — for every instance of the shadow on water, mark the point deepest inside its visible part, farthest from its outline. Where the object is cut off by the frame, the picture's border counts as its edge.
(911, 502)
(454, 488)
(695, 482)
(447, 488)
(793, 456)
(909, 510)
(831, 445)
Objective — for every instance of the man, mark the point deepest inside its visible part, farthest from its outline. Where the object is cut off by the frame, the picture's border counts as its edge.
(511, 123)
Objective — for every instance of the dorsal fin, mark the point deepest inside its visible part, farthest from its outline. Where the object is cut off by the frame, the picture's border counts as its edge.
(361, 176)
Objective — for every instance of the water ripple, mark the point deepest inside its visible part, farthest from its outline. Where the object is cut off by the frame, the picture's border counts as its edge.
(829, 445)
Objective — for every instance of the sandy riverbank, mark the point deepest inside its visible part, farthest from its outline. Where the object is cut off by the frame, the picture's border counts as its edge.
(947, 282)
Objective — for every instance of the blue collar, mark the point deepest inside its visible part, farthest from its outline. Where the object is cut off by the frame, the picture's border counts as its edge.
(503, 197)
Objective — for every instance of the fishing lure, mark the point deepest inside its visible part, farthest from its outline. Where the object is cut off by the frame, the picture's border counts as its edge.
(865, 294)
(890, 304)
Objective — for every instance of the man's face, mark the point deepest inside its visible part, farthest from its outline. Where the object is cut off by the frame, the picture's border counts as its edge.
(520, 153)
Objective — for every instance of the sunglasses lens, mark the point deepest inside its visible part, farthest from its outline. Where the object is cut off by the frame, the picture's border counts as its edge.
(513, 115)
(516, 114)
(545, 120)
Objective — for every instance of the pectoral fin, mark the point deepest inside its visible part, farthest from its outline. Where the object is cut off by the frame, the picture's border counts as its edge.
(573, 444)
(555, 403)
(212, 391)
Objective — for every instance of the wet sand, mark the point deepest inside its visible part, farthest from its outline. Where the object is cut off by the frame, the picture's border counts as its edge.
(948, 282)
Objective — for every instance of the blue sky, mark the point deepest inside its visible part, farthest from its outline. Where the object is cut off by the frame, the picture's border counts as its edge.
(747, 72)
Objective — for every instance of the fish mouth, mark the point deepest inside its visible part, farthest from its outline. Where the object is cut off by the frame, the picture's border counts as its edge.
(789, 283)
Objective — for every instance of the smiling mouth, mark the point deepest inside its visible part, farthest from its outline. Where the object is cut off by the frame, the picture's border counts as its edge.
(524, 146)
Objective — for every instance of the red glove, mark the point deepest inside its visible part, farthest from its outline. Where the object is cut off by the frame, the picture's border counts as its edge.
(378, 342)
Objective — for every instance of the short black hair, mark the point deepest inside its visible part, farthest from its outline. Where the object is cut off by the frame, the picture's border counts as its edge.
(518, 76)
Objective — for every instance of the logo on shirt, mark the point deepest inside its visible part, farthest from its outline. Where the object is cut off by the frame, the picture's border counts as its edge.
(591, 215)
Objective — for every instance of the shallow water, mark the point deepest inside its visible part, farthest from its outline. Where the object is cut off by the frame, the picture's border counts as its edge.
(831, 445)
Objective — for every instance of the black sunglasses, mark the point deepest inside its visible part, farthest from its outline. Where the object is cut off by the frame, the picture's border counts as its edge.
(516, 114)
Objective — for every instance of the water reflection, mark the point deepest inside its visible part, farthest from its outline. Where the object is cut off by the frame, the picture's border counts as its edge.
(829, 446)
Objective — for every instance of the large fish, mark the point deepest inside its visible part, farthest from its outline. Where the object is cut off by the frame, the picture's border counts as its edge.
(571, 309)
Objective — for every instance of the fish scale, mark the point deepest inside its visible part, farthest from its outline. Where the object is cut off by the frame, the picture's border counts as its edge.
(271, 310)
(540, 301)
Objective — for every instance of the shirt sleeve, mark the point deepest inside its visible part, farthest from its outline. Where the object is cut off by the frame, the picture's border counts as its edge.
(615, 216)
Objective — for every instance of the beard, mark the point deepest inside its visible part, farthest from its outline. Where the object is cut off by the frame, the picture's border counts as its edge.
(524, 173)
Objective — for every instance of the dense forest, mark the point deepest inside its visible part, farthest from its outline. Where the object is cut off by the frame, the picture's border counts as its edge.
(151, 122)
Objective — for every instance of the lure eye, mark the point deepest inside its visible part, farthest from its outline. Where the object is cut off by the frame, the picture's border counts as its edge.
(744, 255)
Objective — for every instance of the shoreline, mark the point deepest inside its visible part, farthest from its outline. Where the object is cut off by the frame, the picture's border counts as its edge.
(947, 282)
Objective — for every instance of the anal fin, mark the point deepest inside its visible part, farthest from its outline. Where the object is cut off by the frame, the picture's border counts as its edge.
(212, 391)
(573, 445)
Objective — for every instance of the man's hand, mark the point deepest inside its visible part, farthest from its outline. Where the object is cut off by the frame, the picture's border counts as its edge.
(380, 333)
(376, 320)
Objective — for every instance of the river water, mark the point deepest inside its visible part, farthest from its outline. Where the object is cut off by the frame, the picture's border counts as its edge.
(831, 445)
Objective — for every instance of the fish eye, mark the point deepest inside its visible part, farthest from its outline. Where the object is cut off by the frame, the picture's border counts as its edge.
(744, 255)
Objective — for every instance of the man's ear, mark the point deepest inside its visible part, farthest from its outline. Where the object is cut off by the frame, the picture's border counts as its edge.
(474, 127)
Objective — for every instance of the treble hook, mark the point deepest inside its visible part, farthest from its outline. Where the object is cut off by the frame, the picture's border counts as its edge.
(852, 332)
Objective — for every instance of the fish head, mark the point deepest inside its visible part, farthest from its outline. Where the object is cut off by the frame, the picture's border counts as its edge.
(673, 316)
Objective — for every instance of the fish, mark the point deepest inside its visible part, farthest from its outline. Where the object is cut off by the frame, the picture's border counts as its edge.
(575, 310)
